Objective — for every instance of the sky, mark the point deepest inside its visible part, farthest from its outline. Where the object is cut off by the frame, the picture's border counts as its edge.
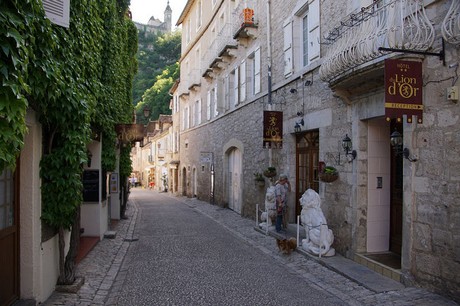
(142, 10)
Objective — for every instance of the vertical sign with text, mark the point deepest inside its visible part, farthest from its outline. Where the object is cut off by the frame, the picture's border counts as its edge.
(403, 90)
(273, 130)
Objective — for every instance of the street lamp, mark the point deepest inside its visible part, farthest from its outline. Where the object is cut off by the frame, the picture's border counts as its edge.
(146, 112)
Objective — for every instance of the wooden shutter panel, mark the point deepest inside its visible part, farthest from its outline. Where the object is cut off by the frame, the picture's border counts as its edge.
(57, 11)
(287, 48)
(243, 81)
(313, 31)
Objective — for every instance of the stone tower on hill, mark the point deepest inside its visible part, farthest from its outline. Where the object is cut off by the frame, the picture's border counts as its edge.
(155, 25)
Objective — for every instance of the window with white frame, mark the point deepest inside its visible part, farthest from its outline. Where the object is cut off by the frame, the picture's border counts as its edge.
(197, 112)
(304, 35)
(198, 15)
(254, 72)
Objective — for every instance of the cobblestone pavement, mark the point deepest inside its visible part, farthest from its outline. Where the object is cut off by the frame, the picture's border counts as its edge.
(104, 275)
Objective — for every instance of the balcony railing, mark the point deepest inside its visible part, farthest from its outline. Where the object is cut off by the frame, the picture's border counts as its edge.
(450, 28)
(396, 24)
(222, 46)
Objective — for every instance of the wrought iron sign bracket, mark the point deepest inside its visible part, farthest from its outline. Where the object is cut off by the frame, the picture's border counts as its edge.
(440, 54)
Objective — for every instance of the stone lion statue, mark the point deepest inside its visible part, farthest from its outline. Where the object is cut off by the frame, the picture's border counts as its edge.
(319, 237)
(270, 204)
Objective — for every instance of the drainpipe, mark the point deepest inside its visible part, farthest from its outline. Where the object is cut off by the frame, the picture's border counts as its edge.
(269, 57)
(269, 70)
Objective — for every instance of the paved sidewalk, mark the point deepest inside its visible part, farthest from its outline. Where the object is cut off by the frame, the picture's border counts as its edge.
(103, 264)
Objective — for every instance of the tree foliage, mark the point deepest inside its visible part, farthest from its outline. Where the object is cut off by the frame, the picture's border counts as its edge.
(157, 97)
(156, 52)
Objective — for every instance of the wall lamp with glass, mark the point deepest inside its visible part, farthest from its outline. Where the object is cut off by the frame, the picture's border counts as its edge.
(396, 141)
(347, 147)
(297, 126)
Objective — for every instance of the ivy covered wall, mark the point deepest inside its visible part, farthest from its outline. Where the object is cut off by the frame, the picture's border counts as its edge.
(79, 82)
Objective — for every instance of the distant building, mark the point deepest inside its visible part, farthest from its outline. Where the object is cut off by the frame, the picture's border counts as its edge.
(155, 25)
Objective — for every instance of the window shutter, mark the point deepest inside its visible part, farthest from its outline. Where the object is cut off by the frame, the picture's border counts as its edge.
(208, 106)
(220, 96)
(257, 71)
(235, 86)
(216, 105)
(314, 31)
(287, 48)
(57, 11)
(243, 81)
(198, 115)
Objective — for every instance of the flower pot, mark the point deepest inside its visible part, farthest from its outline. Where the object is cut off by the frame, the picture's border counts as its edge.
(328, 177)
(269, 174)
(260, 183)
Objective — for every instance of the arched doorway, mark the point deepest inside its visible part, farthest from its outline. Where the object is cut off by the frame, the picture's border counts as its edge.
(235, 167)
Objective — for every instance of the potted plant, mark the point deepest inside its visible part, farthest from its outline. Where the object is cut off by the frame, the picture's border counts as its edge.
(259, 179)
(329, 174)
(270, 172)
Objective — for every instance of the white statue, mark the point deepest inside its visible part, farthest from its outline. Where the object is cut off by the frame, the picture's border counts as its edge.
(319, 237)
(270, 204)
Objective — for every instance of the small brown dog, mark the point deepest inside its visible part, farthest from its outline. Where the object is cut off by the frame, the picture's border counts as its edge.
(286, 245)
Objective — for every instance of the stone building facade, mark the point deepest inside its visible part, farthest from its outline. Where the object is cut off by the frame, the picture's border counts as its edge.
(320, 65)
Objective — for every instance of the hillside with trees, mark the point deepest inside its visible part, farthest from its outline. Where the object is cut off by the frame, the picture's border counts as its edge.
(158, 68)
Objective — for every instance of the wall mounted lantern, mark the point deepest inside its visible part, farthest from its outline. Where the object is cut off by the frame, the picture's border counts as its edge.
(146, 112)
(297, 126)
(347, 147)
(90, 156)
(396, 141)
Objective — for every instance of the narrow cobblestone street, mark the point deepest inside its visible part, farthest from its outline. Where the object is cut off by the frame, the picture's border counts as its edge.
(120, 272)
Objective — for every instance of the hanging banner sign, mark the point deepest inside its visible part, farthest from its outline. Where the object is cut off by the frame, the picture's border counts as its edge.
(273, 130)
(403, 90)
(130, 132)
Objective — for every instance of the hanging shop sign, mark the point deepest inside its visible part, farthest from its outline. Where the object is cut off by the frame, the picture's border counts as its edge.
(130, 132)
(273, 130)
(403, 90)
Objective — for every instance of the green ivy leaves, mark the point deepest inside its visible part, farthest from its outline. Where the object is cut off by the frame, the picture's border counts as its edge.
(77, 79)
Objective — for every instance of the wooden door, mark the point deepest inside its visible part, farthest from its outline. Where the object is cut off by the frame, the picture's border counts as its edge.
(396, 195)
(307, 159)
(9, 239)
(234, 170)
